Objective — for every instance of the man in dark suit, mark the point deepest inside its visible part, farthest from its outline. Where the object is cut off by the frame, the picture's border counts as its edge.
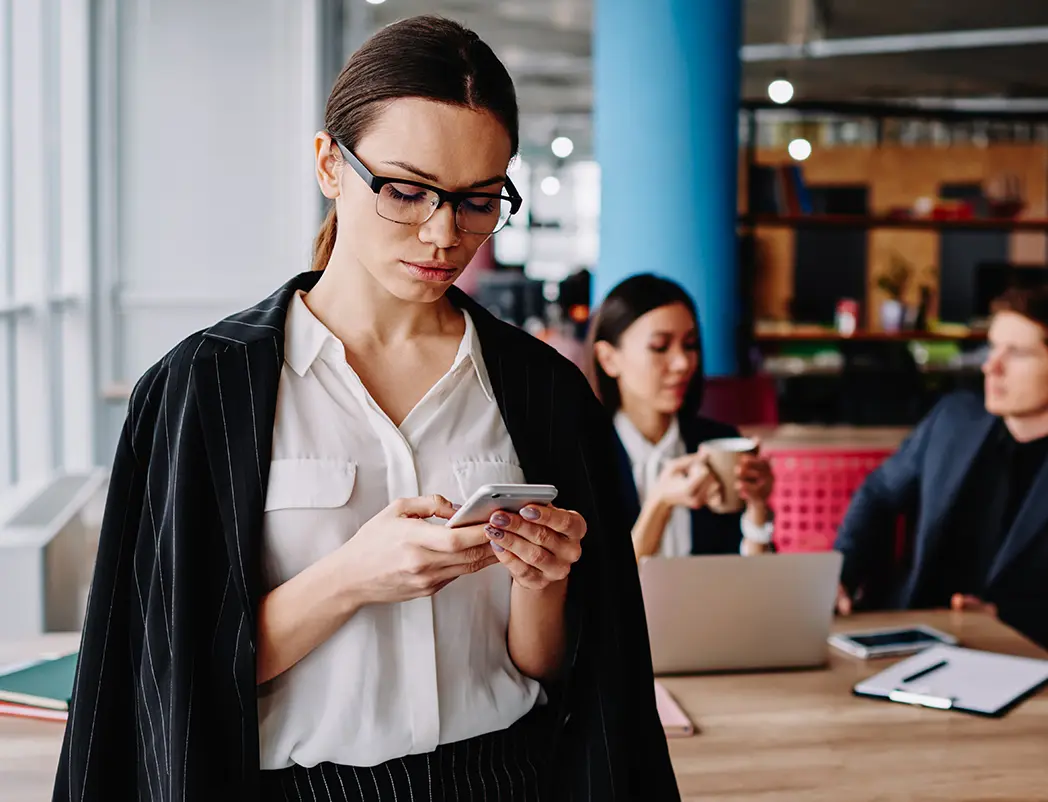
(974, 477)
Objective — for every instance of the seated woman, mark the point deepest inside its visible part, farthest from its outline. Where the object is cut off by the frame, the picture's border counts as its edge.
(645, 364)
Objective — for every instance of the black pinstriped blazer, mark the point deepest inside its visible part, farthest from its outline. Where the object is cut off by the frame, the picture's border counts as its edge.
(164, 705)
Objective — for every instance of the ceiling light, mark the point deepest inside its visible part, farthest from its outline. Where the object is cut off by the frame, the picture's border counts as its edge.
(562, 147)
(376, 2)
(780, 91)
(799, 149)
(550, 185)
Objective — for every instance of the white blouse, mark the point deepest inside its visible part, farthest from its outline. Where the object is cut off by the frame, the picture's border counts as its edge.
(396, 679)
(647, 460)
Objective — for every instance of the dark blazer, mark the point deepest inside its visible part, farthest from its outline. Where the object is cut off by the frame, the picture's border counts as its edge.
(711, 532)
(924, 477)
(164, 705)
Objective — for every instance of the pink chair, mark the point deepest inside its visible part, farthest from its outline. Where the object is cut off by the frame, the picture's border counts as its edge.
(813, 488)
(741, 400)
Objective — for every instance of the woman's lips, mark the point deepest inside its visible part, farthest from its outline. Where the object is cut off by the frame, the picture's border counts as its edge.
(432, 271)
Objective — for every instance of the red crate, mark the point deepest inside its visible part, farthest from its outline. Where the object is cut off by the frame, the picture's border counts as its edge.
(813, 488)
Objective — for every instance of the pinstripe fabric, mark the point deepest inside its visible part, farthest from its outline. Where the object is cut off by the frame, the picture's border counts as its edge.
(164, 704)
(506, 765)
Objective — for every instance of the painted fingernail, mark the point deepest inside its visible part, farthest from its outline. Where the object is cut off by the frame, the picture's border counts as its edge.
(456, 506)
(500, 519)
(491, 531)
(497, 547)
(529, 513)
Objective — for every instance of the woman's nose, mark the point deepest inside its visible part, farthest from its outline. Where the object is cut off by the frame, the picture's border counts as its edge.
(440, 230)
(680, 361)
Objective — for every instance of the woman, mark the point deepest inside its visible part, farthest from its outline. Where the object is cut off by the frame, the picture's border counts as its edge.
(277, 610)
(645, 364)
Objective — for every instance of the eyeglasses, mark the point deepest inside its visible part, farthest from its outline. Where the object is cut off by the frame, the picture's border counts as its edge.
(413, 203)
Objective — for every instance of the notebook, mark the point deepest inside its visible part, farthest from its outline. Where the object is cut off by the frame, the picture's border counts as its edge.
(25, 711)
(954, 678)
(46, 683)
(675, 722)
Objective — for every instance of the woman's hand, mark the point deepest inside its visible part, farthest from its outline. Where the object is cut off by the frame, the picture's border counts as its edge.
(394, 557)
(687, 482)
(398, 556)
(754, 478)
(539, 545)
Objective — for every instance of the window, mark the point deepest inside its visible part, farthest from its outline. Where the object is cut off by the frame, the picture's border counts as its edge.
(45, 243)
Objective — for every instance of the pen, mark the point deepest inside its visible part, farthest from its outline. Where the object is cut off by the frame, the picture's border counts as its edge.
(924, 672)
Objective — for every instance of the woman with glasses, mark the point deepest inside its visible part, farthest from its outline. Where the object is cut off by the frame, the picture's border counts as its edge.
(645, 363)
(278, 610)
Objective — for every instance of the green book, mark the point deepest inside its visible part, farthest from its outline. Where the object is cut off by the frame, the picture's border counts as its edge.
(46, 683)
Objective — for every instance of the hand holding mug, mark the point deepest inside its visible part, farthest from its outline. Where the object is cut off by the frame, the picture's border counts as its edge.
(687, 482)
(754, 477)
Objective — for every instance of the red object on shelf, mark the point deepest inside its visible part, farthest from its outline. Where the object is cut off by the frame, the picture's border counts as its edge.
(741, 400)
(813, 488)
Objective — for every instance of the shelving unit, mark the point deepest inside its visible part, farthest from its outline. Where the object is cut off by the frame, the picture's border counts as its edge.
(830, 336)
(751, 335)
(915, 223)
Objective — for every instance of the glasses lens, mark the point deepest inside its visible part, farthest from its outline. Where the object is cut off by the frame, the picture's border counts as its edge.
(481, 215)
(406, 203)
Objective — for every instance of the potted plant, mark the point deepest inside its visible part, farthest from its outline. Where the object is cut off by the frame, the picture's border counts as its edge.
(893, 282)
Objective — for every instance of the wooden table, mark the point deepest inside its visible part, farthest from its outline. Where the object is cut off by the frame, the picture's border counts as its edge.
(29, 748)
(803, 737)
(802, 436)
(797, 736)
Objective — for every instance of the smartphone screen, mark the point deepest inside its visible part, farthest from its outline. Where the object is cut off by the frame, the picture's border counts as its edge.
(900, 637)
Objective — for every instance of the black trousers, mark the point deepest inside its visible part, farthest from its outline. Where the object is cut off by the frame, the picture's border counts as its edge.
(504, 766)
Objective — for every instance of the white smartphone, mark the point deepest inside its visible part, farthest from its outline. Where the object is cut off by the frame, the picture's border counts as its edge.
(489, 499)
(890, 641)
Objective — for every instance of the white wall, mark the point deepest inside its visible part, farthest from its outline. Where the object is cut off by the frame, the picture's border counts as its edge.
(211, 195)
(218, 205)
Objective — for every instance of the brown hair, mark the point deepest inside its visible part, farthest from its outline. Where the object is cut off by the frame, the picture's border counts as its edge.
(427, 57)
(629, 300)
(1029, 301)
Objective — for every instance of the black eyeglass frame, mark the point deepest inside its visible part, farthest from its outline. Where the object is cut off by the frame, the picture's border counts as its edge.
(376, 182)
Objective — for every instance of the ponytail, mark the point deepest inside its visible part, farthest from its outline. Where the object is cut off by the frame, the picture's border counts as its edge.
(325, 241)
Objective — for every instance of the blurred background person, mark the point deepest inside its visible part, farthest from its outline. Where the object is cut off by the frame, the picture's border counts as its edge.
(645, 364)
(974, 476)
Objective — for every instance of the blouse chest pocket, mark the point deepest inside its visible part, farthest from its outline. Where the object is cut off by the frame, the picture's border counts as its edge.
(310, 484)
(473, 473)
(308, 514)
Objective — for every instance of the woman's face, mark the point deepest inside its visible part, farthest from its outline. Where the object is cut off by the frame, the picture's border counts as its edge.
(655, 359)
(449, 147)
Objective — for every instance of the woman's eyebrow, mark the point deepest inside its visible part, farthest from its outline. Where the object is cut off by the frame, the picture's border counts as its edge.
(407, 166)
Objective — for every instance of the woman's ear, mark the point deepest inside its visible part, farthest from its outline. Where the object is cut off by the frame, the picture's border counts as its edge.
(328, 164)
(607, 356)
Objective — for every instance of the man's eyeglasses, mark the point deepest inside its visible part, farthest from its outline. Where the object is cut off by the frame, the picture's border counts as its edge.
(413, 203)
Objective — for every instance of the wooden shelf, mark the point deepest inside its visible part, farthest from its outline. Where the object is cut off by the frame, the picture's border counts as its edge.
(864, 221)
(828, 335)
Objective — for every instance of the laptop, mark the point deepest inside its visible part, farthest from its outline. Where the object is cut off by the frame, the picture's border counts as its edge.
(734, 613)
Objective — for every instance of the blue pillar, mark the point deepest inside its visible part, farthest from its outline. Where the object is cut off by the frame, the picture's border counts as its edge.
(666, 86)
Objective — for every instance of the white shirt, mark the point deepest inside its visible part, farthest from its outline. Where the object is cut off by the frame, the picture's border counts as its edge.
(396, 679)
(647, 460)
